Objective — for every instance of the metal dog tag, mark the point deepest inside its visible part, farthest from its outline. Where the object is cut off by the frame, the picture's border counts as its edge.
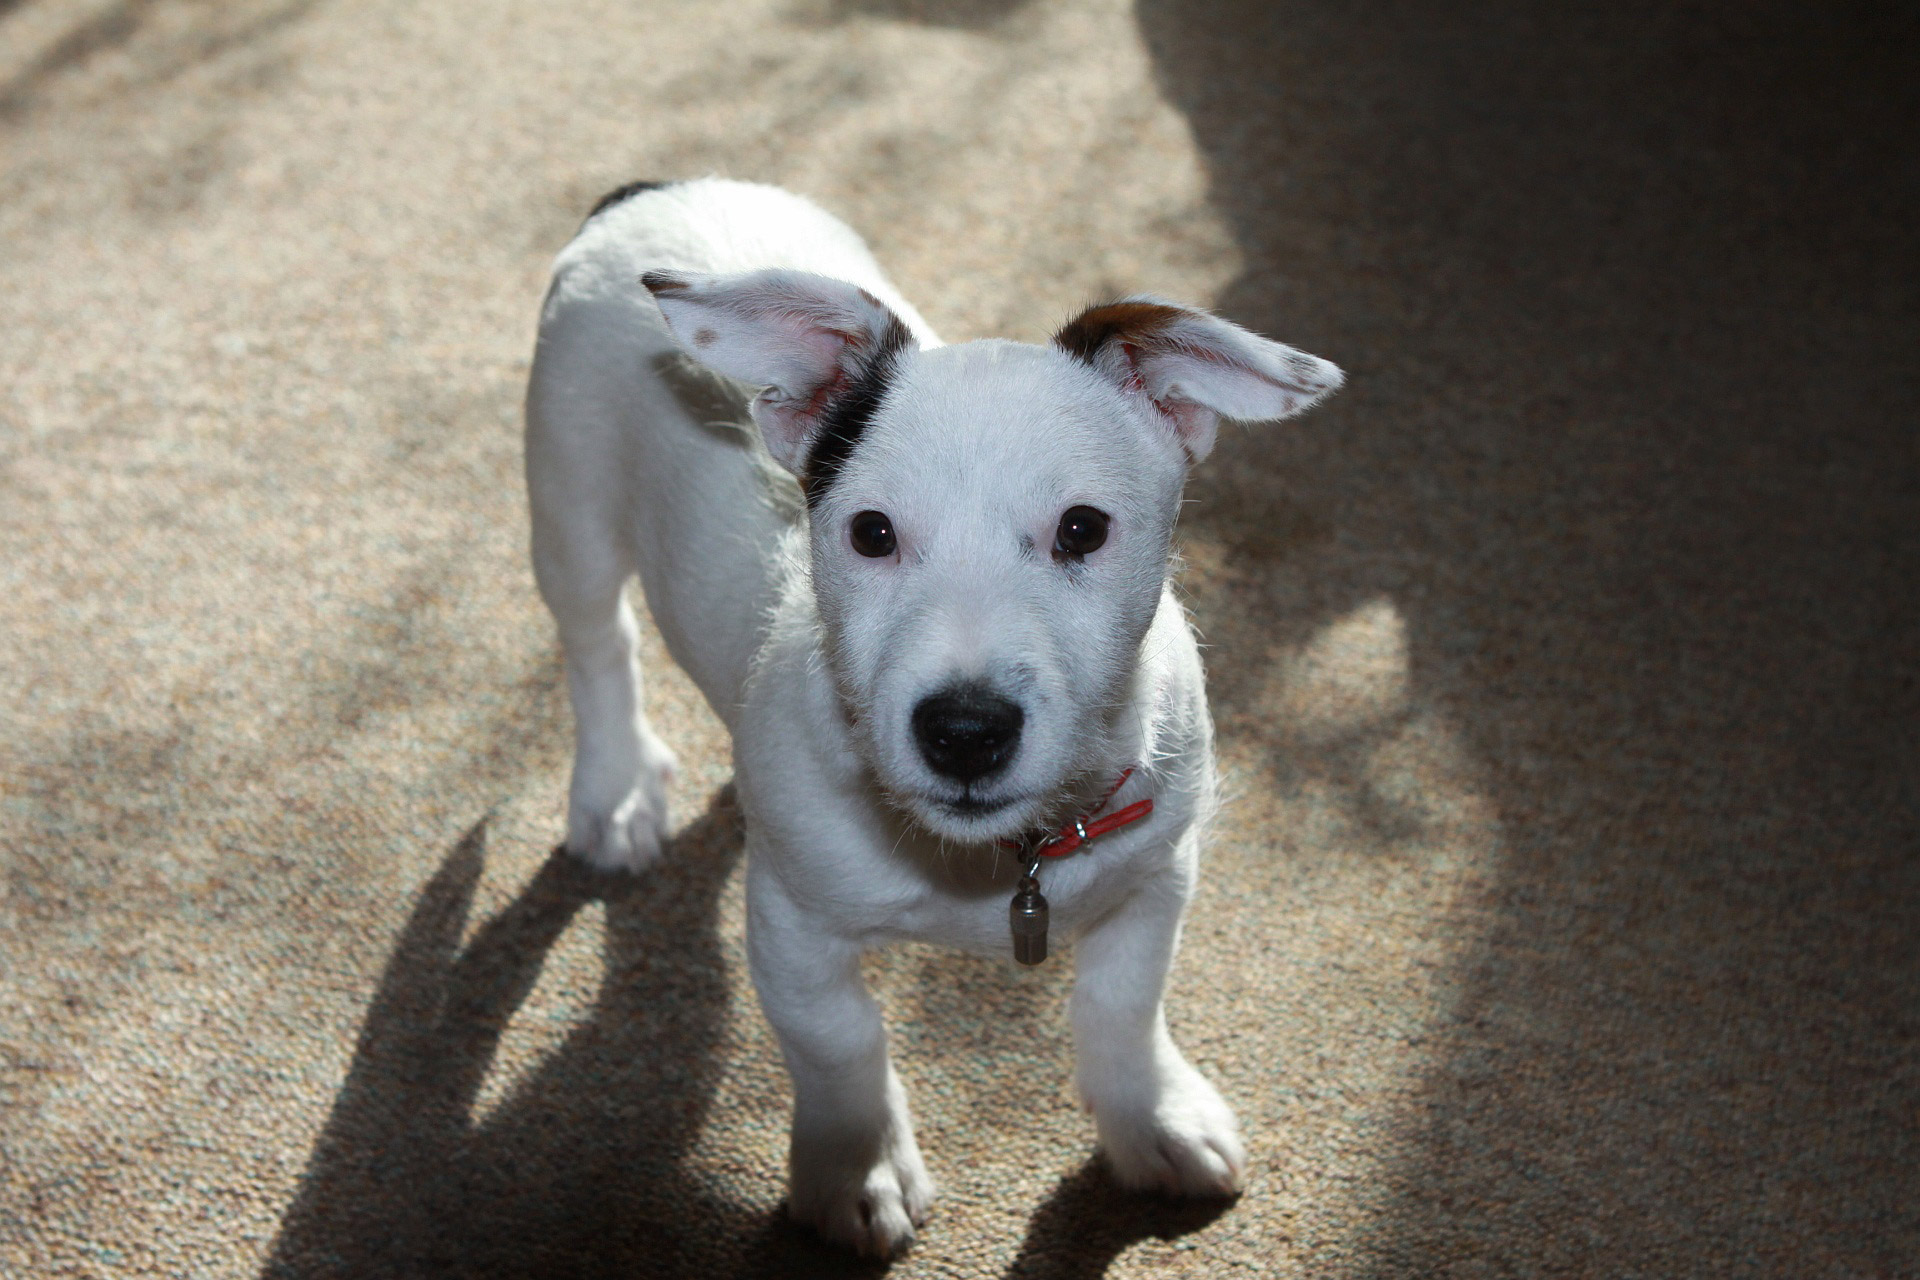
(1028, 915)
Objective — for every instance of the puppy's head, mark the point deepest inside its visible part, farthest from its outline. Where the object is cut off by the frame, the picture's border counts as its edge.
(991, 522)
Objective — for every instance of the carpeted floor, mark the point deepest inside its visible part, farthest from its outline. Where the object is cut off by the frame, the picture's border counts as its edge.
(1563, 919)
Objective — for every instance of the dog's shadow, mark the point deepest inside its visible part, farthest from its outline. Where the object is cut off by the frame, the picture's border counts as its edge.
(1090, 1220)
(579, 1170)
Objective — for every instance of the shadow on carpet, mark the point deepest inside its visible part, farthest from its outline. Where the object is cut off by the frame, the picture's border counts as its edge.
(578, 1170)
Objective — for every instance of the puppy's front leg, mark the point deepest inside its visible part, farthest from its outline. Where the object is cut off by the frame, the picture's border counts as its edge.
(855, 1172)
(1162, 1126)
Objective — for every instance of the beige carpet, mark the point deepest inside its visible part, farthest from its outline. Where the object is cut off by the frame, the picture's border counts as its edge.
(1564, 917)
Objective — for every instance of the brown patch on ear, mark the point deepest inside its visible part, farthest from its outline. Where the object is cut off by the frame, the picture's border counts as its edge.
(704, 337)
(661, 282)
(1132, 322)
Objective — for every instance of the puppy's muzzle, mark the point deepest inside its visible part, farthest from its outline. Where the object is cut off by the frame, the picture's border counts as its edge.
(967, 732)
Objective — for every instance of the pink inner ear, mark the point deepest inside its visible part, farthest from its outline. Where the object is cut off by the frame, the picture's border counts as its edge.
(826, 349)
(1189, 420)
(1134, 381)
(825, 392)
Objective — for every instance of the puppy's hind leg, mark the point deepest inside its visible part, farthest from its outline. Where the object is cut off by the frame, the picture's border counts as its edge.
(617, 802)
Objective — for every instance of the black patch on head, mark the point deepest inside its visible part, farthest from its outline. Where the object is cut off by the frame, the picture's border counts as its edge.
(618, 194)
(847, 417)
(1134, 322)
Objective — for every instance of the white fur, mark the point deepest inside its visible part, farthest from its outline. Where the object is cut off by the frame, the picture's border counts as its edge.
(816, 656)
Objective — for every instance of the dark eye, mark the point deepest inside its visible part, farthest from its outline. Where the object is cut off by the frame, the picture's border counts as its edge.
(872, 534)
(1083, 531)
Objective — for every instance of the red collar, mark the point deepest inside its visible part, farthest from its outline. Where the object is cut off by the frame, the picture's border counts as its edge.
(1084, 829)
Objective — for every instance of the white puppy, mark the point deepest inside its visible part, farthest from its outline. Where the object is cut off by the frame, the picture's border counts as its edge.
(953, 636)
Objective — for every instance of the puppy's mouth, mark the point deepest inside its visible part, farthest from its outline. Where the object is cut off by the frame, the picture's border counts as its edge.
(974, 808)
(971, 818)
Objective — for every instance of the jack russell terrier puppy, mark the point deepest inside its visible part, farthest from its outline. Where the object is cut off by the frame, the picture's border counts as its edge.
(965, 705)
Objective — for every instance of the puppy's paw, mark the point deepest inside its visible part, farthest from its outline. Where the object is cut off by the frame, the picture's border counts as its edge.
(874, 1210)
(1186, 1143)
(624, 830)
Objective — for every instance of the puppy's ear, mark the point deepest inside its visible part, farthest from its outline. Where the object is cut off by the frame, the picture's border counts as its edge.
(822, 348)
(1194, 369)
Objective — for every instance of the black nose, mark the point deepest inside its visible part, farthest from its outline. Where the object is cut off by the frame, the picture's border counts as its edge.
(967, 733)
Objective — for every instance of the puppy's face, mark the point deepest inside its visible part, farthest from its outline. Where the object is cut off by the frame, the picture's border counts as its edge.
(990, 523)
(987, 557)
